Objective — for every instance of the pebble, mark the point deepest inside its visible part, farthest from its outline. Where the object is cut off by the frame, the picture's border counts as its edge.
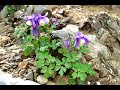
(23, 65)
(29, 76)
(50, 83)
(22, 72)
(41, 79)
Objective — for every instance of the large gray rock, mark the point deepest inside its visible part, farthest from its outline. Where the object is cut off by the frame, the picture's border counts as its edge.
(68, 31)
(35, 9)
(3, 14)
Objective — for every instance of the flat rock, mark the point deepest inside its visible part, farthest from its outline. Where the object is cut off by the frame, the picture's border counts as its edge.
(7, 79)
(4, 39)
(41, 79)
(23, 65)
(50, 83)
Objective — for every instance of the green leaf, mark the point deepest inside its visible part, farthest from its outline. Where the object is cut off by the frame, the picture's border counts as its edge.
(51, 66)
(47, 62)
(44, 41)
(35, 43)
(63, 69)
(53, 59)
(57, 68)
(74, 53)
(51, 71)
(62, 50)
(63, 60)
(92, 72)
(42, 55)
(44, 69)
(57, 44)
(23, 46)
(72, 81)
(58, 62)
(82, 76)
(43, 48)
(74, 74)
(28, 38)
(84, 48)
(67, 55)
(53, 42)
(78, 65)
(54, 47)
(68, 65)
(47, 75)
(39, 63)
(27, 51)
(61, 72)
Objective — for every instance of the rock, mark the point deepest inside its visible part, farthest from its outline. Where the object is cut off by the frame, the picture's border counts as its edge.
(3, 14)
(35, 76)
(104, 81)
(12, 64)
(93, 78)
(14, 48)
(50, 83)
(96, 25)
(18, 58)
(66, 19)
(29, 76)
(4, 68)
(2, 51)
(18, 14)
(23, 65)
(100, 67)
(98, 83)
(41, 79)
(35, 9)
(39, 8)
(4, 40)
(34, 69)
(29, 10)
(7, 79)
(27, 82)
(103, 34)
(3, 61)
(31, 61)
(95, 47)
(15, 75)
(21, 72)
(65, 32)
(61, 80)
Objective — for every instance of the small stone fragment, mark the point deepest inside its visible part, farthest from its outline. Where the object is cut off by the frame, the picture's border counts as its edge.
(41, 79)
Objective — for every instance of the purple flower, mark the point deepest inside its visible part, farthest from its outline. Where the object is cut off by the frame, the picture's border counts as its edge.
(80, 40)
(77, 39)
(35, 31)
(83, 41)
(44, 20)
(35, 21)
(67, 44)
(55, 21)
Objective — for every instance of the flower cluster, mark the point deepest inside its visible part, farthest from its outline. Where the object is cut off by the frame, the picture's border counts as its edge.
(35, 21)
(80, 40)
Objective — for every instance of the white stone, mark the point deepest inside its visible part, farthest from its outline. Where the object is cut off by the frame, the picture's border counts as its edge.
(41, 79)
(7, 79)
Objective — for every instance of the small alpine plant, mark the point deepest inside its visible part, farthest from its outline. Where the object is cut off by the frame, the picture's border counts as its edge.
(35, 33)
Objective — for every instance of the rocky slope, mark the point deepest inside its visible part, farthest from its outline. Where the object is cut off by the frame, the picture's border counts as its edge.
(100, 25)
